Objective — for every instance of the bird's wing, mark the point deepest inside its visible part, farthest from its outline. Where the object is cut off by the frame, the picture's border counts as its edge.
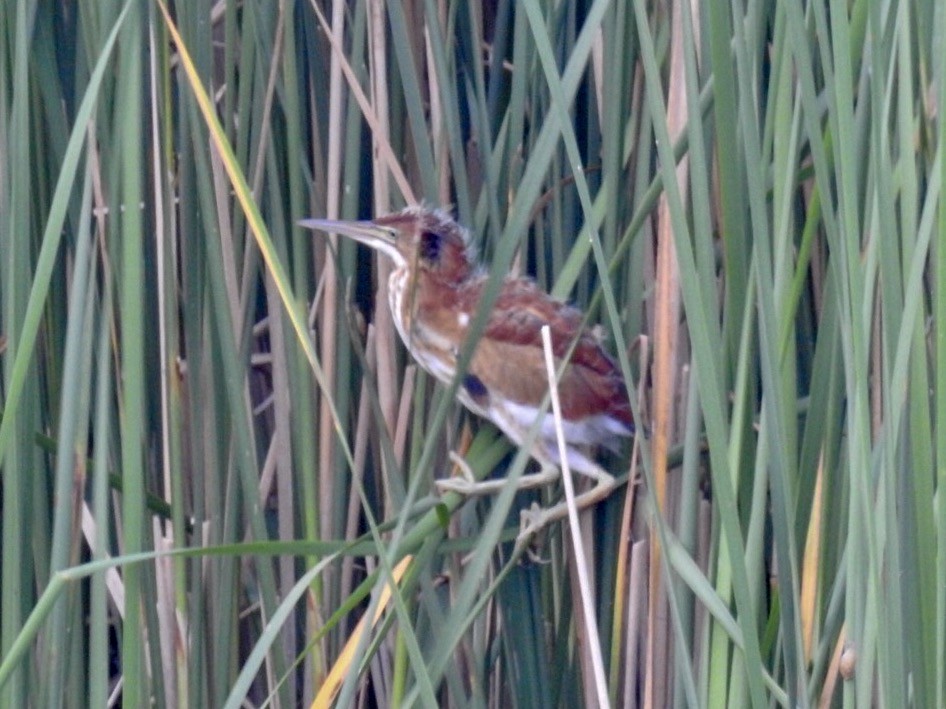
(522, 309)
(590, 386)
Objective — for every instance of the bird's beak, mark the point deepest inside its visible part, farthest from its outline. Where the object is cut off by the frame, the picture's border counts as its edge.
(381, 238)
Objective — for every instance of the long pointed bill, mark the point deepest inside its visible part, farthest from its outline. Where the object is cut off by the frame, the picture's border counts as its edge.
(366, 232)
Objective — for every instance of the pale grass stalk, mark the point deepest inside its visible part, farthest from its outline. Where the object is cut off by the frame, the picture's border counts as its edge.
(250, 265)
(582, 637)
(221, 186)
(116, 695)
(403, 413)
(667, 335)
(268, 474)
(438, 136)
(386, 152)
(168, 631)
(256, 176)
(384, 320)
(166, 240)
(113, 580)
(321, 277)
(636, 619)
(328, 323)
(281, 452)
(581, 564)
(833, 673)
(624, 576)
(808, 598)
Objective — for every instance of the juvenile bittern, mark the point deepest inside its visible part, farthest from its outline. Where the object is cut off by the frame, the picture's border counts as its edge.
(435, 290)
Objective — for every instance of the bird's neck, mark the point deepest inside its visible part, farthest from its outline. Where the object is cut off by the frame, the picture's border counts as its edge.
(432, 318)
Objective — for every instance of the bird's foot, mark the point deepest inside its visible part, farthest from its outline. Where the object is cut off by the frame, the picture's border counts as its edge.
(464, 483)
(531, 521)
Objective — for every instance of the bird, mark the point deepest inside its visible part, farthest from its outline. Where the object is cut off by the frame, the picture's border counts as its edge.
(434, 293)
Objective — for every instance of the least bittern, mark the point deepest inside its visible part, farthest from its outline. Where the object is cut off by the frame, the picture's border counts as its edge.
(435, 290)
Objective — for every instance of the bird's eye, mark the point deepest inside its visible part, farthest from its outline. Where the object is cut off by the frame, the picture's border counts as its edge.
(430, 242)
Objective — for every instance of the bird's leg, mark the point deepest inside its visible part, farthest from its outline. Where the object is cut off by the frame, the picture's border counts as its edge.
(466, 483)
(535, 518)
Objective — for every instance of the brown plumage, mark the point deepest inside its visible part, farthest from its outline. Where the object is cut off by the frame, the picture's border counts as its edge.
(435, 290)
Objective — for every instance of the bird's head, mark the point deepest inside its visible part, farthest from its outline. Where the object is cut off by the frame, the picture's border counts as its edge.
(426, 240)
